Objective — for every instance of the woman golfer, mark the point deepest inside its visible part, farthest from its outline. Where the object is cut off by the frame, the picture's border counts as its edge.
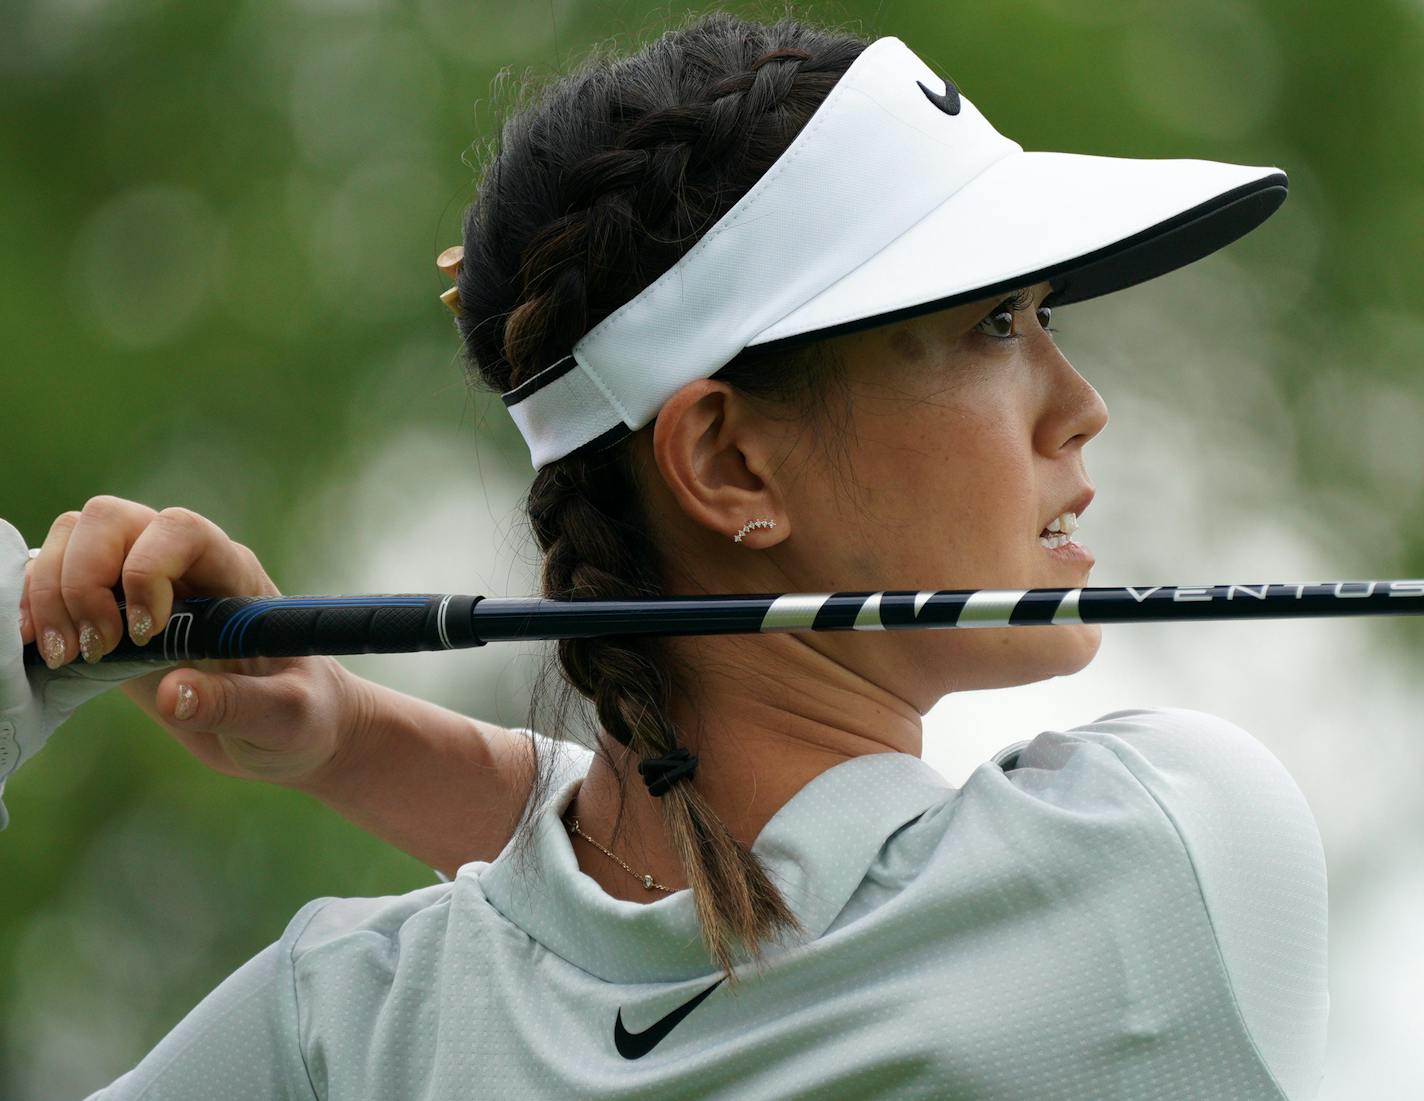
(770, 306)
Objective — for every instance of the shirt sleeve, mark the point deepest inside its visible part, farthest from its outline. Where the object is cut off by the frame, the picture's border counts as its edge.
(571, 761)
(1257, 854)
(240, 1043)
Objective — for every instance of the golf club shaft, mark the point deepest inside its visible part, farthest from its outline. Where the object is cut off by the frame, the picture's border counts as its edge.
(233, 627)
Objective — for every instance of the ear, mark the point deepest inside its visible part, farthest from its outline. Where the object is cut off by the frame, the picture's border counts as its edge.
(716, 454)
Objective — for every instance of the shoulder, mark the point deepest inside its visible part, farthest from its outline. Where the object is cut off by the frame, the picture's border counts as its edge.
(360, 970)
(1192, 763)
(1232, 803)
(1253, 846)
(333, 922)
(1165, 734)
(353, 952)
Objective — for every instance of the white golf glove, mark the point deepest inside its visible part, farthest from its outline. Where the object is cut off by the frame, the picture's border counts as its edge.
(35, 699)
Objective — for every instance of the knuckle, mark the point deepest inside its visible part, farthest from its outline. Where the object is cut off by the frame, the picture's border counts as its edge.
(296, 700)
(43, 592)
(178, 516)
(140, 567)
(102, 507)
(139, 571)
(257, 573)
(188, 524)
(249, 556)
(73, 593)
(224, 702)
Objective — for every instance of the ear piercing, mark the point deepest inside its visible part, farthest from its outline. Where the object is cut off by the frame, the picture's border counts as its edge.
(752, 524)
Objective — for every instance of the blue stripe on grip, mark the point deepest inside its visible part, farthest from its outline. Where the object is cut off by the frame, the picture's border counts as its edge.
(252, 611)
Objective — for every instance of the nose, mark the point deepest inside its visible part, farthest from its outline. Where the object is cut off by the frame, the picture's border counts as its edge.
(1076, 412)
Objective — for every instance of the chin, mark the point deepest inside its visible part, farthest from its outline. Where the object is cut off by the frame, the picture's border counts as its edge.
(1079, 646)
(1025, 655)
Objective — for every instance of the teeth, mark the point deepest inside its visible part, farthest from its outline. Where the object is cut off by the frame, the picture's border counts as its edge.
(1061, 528)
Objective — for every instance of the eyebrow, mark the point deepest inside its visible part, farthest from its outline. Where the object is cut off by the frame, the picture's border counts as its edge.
(1046, 300)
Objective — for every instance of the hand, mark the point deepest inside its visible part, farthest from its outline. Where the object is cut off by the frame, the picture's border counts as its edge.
(282, 720)
(34, 700)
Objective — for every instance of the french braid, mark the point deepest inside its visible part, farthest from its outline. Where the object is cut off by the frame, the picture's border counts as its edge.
(599, 185)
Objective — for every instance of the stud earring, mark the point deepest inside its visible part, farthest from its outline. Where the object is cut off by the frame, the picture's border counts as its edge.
(752, 524)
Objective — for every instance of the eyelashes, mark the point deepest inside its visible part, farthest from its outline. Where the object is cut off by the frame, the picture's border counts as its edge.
(1016, 303)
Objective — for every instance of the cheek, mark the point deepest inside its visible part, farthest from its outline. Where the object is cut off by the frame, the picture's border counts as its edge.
(972, 503)
(944, 492)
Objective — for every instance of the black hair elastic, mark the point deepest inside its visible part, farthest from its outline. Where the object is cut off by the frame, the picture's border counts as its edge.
(659, 772)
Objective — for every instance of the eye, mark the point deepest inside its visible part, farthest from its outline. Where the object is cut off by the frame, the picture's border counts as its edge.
(1001, 317)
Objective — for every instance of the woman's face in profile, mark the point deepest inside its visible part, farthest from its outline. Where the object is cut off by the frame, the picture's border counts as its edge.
(965, 439)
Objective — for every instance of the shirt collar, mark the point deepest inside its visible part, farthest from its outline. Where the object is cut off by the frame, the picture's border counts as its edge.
(817, 848)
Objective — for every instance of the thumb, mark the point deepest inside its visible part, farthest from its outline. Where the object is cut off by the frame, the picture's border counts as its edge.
(256, 727)
(236, 702)
(198, 701)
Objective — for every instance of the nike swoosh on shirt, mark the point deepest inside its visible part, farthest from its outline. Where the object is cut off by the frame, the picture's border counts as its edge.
(634, 1045)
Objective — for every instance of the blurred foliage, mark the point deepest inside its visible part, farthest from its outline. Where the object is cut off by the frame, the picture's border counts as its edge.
(219, 291)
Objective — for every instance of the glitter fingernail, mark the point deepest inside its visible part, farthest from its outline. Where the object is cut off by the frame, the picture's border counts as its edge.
(187, 704)
(52, 647)
(140, 625)
(91, 643)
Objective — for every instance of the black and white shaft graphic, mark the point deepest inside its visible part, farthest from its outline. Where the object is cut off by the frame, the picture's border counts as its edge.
(231, 627)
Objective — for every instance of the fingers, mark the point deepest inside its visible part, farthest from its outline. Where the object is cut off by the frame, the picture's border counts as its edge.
(27, 623)
(100, 540)
(68, 590)
(182, 544)
(68, 601)
(50, 621)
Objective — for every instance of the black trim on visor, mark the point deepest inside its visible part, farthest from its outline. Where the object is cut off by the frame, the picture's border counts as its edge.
(1156, 250)
(605, 441)
(538, 381)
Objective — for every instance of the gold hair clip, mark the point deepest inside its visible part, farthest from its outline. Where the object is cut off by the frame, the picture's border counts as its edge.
(449, 264)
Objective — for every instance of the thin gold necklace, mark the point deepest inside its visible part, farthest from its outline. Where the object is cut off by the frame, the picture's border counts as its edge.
(645, 880)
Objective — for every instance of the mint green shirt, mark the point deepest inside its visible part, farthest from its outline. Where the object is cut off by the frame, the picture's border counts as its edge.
(1134, 908)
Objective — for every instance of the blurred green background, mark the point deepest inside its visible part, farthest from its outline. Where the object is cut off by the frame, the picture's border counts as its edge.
(219, 292)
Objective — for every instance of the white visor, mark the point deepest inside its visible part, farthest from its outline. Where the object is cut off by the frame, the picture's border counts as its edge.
(897, 198)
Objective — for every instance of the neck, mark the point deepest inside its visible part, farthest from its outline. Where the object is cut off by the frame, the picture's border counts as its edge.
(757, 744)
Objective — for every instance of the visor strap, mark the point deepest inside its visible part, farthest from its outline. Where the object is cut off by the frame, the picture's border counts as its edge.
(572, 408)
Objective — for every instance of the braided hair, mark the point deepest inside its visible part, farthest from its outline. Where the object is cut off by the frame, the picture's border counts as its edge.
(598, 186)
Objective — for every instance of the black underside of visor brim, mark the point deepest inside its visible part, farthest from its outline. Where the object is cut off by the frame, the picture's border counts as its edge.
(1164, 247)
(1154, 251)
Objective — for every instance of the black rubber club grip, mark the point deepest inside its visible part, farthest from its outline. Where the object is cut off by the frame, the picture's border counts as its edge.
(206, 628)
